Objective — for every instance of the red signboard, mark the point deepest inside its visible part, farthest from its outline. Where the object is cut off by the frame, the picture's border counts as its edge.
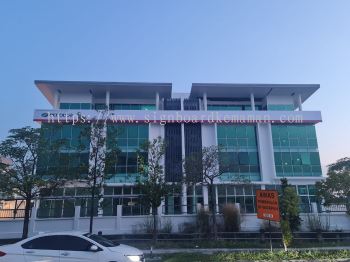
(267, 205)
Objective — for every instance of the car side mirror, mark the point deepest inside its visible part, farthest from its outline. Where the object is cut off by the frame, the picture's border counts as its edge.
(94, 248)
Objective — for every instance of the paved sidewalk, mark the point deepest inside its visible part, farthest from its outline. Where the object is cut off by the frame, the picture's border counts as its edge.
(215, 250)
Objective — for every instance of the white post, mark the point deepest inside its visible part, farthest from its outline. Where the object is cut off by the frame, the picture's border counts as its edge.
(100, 203)
(300, 103)
(182, 103)
(57, 98)
(205, 102)
(238, 206)
(32, 221)
(314, 208)
(76, 218)
(252, 101)
(157, 101)
(108, 98)
(205, 196)
(119, 218)
(184, 199)
(159, 216)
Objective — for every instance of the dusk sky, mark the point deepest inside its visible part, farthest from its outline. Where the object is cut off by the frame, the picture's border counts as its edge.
(180, 41)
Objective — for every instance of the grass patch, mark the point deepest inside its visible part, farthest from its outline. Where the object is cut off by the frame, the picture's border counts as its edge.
(161, 244)
(259, 256)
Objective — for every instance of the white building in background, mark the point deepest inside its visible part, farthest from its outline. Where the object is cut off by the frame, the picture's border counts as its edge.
(263, 131)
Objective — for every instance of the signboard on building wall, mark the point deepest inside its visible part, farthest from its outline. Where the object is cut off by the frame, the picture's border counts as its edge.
(267, 205)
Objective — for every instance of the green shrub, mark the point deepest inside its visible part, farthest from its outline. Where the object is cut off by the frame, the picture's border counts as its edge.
(318, 223)
(232, 218)
(187, 228)
(167, 227)
(203, 222)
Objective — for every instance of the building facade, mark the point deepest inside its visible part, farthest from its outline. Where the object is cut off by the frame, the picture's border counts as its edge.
(262, 130)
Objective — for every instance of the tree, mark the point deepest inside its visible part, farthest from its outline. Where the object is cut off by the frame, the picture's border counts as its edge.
(335, 189)
(151, 183)
(103, 154)
(24, 147)
(290, 210)
(203, 168)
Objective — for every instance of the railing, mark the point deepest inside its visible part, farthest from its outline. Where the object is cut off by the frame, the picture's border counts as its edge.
(54, 213)
(135, 210)
(334, 208)
(12, 213)
(178, 209)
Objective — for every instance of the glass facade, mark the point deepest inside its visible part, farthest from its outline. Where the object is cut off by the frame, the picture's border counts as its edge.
(75, 106)
(232, 107)
(280, 107)
(102, 106)
(128, 197)
(132, 107)
(307, 195)
(239, 153)
(242, 194)
(73, 155)
(296, 151)
(63, 201)
(130, 138)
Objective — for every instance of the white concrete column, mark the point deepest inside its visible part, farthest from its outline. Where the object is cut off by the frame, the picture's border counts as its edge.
(205, 102)
(182, 104)
(76, 223)
(57, 98)
(119, 217)
(205, 196)
(32, 221)
(157, 101)
(160, 210)
(314, 208)
(266, 152)
(216, 199)
(200, 104)
(108, 98)
(100, 203)
(238, 206)
(300, 106)
(252, 101)
(184, 199)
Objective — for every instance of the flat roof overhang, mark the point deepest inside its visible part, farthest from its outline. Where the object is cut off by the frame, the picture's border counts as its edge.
(122, 90)
(260, 91)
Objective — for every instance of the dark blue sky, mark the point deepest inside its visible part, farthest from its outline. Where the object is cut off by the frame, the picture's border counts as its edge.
(294, 41)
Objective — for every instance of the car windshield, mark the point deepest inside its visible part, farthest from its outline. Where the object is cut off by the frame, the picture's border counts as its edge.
(102, 241)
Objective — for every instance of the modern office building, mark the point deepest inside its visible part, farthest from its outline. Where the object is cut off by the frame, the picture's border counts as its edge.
(262, 129)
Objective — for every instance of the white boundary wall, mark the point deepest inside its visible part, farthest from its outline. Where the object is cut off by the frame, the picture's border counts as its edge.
(12, 228)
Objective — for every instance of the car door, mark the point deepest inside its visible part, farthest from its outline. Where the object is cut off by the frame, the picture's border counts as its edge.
(75, 249)
(41, 249)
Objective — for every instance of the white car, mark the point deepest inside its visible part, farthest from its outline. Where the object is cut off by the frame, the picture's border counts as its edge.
(69, 247)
